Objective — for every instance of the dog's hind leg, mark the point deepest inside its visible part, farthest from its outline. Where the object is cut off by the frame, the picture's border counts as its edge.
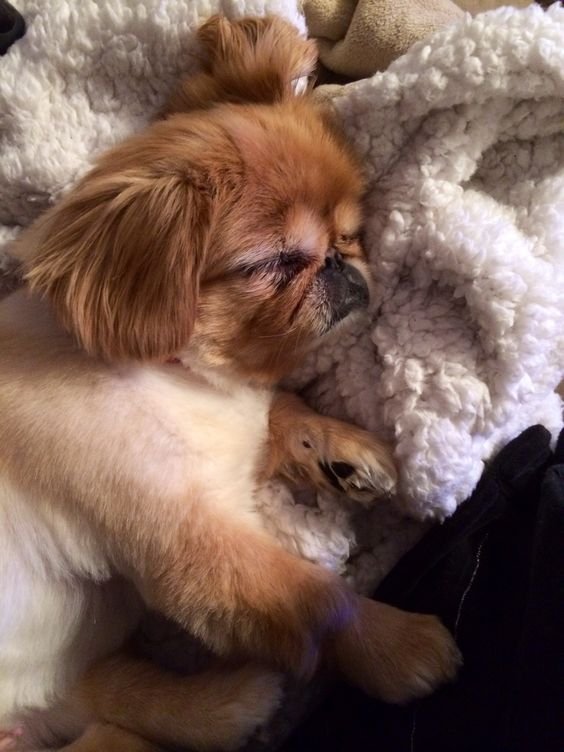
(131, 705)
(102, 737)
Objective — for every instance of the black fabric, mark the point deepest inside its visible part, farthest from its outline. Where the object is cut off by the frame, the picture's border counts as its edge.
(494, 572)
(12, 26)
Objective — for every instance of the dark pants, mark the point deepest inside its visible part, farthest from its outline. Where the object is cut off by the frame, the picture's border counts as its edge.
(12, 26)
(494, 572)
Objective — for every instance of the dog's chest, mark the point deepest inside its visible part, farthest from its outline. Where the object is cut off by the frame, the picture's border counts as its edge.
(225, 435)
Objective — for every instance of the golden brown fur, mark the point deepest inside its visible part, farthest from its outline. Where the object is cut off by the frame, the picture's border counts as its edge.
(225, 235)
(253, 60)
(180, 215)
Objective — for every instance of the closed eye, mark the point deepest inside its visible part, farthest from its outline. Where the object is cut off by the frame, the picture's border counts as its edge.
(352, 238)
(291, 262)
(283, 267)
(351, 245)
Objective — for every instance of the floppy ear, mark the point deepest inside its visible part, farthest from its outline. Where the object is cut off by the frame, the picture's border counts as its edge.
(252, 60)
(120, 259)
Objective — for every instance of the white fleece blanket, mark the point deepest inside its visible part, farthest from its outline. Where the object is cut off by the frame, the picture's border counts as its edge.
(463, 143)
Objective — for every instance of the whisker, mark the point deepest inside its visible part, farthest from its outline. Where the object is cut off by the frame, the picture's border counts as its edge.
(281, 334)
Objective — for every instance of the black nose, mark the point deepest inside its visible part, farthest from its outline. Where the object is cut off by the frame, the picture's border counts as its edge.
(335, 262)
(346, 289)
(357, 286)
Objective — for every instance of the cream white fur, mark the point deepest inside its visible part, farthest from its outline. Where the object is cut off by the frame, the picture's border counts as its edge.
(61, 605)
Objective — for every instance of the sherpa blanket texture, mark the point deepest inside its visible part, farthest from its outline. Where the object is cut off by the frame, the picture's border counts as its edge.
(356, 38)
(463, 144)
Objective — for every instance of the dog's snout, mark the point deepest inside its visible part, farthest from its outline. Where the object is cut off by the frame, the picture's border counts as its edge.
(346, 287)
(358, 293)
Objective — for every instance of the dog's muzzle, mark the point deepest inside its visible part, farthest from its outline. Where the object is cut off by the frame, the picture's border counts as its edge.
(347, 290)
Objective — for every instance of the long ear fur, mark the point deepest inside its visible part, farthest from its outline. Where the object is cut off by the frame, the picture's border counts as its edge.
(253, 60)
(120, 260)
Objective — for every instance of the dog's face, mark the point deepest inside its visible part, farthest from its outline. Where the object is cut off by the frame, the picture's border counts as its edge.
(284, 263)
(231, 232)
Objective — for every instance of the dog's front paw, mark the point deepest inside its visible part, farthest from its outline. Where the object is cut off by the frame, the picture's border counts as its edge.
(348, 459)
(397, 656)
(426, 658)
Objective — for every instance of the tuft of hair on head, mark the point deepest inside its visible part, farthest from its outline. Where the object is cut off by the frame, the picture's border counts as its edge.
(251, 60)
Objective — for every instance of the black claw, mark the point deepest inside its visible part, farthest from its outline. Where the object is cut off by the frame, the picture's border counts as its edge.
(329, 473)
(342, 469)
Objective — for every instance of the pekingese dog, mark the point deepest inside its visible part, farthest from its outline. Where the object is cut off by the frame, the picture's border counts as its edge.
(167, 294)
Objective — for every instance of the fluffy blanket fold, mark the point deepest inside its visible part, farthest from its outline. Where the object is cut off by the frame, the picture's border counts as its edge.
(463, 142)
(356, 38)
